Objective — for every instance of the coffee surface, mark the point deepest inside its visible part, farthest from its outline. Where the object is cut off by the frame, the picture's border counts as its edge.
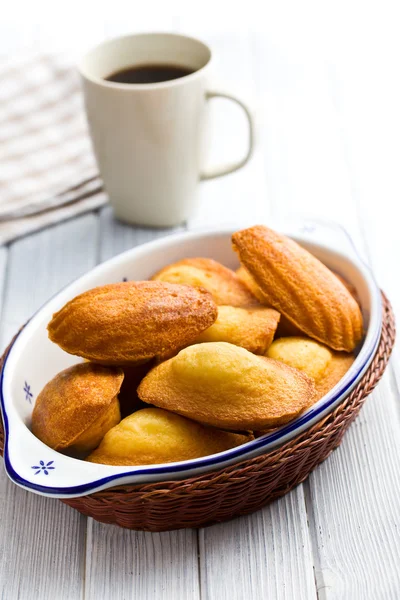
(151, 73)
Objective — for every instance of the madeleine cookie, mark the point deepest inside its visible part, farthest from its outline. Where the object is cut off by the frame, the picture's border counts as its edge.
(250, 328)
(223, 283)
(226, 386)
(250, 282)
(285, 327)
(156, 436)
(323, 365)
(350, 287)
(77, 407)
(300, 287)
(131, 322)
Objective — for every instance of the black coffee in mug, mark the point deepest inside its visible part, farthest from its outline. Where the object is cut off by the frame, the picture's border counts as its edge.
(152, 73)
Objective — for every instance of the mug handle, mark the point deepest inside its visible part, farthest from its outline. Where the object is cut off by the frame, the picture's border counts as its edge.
(230, 167)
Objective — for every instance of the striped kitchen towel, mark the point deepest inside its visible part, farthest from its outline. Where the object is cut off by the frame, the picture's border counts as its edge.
(47, 168)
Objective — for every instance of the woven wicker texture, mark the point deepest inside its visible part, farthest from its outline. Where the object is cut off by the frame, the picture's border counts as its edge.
(241, 488)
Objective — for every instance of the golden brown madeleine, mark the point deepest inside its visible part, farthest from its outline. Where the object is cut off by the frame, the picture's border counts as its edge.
(77, 407)
(226, 386)
(349, 286)
(300, 287)
(285, 327)
(341, 363)
(302, 353)
(222, 282)
(250, 328)
(154, 436)
(131, 322)
(326, 367)
(250, 282)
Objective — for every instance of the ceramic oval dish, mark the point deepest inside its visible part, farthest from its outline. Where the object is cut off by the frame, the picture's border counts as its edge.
(33, 360)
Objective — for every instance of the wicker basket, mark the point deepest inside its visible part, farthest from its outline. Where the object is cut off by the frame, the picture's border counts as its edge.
(243, 487)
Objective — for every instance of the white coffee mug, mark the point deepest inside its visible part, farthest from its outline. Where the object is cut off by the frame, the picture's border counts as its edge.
(149, 138)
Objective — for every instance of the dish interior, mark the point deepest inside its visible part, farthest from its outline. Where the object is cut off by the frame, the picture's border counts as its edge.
(34, 360)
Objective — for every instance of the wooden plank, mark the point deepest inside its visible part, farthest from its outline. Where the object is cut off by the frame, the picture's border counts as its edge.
(352, 499)
(42, 541)
(116, 237)
(41, 264)
(373, 153)
(264, 555)
(239, 198)
(3, 272)
(371, 497)
(130, 564)
(268, 554)
(354, 506)
(306, 170)
(139, 566)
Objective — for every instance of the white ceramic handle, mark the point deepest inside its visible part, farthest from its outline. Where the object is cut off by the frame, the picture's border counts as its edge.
(226, 168)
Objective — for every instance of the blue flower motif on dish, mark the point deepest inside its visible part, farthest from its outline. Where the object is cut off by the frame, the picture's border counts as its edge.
(28, 393)
(43, 467)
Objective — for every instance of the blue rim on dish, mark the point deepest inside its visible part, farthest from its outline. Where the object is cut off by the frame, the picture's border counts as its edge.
(174, 470)
(205, 462)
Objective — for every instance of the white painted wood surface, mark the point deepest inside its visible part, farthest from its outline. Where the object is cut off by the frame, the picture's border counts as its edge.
(328, 145)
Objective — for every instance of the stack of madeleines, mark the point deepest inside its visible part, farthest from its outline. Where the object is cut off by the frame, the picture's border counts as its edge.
(199, 359)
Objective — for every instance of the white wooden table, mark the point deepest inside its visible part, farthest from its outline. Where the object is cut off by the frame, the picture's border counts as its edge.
(325, 86)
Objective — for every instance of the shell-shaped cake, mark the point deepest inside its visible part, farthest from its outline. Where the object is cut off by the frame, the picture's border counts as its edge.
(223, 283)
(154, 436)
(250, 282)
(299, 286)
(285, 327)
(250, 328)
(131, 322)
(223, 385)
(326, 367)
(77, 407)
